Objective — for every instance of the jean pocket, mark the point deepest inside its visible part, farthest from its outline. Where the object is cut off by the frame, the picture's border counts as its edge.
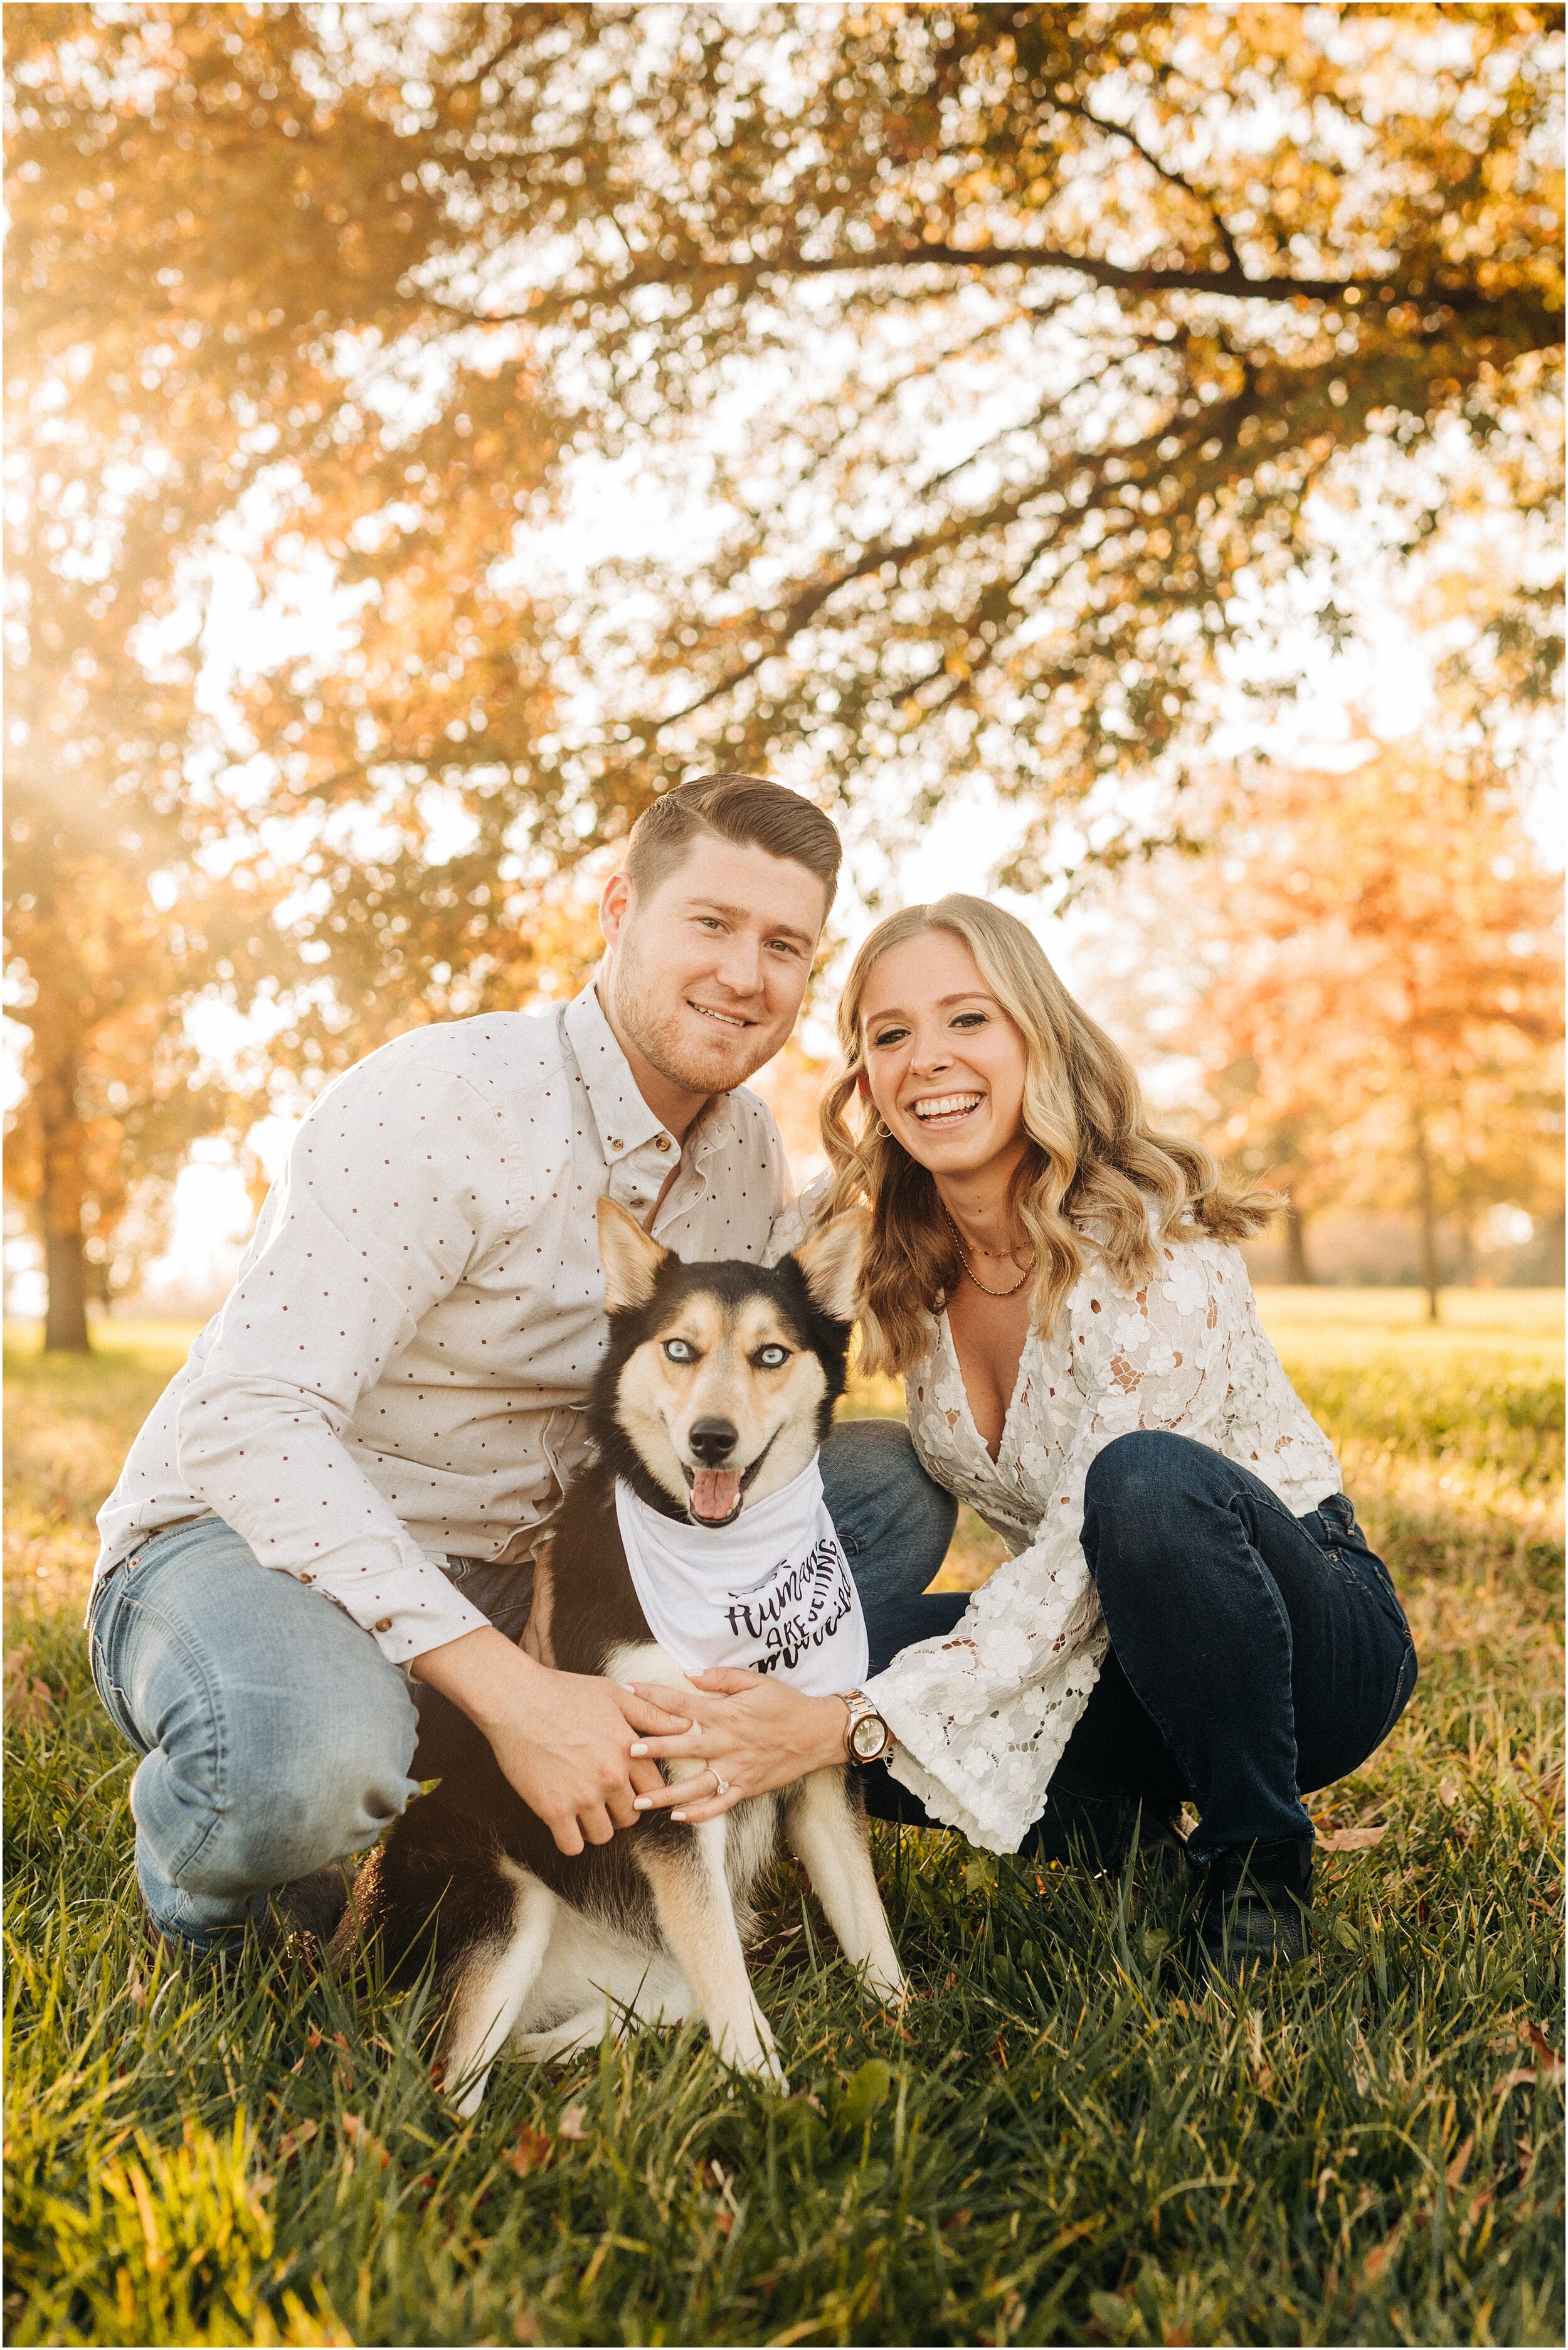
(111, 1697)
(1404, 1686)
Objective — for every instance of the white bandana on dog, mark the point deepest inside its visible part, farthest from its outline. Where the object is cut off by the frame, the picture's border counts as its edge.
(770, 1592)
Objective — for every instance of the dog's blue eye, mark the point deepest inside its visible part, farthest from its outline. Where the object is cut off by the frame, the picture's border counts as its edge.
(771, 1359)
(681, 1351)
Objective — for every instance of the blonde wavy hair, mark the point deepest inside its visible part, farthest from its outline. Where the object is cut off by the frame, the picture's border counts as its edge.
(1094, 1169)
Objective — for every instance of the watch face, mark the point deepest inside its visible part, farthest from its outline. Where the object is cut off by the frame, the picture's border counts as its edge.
(869, 1737)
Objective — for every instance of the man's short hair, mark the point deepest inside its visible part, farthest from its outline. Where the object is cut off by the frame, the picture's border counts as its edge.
(746, 809)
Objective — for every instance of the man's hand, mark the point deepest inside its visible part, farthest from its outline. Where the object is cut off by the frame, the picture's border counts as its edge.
(564, 1739)
(753, 1732)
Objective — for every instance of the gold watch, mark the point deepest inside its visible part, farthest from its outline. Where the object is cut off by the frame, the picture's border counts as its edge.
(871, 1739)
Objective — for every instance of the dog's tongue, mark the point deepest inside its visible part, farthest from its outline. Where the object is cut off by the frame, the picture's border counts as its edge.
(714, 1493)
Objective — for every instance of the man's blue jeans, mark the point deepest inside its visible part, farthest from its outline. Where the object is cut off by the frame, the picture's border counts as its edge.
(275, 1736)
(1254, 1656)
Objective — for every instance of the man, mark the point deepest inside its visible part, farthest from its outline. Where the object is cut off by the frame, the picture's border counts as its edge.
(324, 1534)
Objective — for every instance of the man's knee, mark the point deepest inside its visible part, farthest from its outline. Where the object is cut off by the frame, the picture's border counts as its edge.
(296, 1786)
(876, 1487)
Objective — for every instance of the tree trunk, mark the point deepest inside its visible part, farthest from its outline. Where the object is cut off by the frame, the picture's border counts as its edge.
(1429, 1219)
(65, 1266)
(1298, 1268)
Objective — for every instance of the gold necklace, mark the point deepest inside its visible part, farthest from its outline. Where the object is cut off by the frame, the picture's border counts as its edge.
(974, 1277)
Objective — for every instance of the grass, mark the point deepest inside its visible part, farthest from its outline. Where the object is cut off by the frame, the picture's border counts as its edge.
(1065, 2139)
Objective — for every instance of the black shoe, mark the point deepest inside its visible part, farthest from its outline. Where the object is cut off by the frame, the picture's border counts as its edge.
(297, 1921)
(1162, 1853)
(1255, 1903)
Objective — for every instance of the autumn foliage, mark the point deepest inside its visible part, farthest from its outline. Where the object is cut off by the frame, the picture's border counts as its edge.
(1385, 1025)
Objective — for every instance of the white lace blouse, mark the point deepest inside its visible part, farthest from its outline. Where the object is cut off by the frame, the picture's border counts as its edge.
(982, 1716)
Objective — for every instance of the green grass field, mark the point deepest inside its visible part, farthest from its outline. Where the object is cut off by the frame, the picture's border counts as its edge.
(1065, 2139)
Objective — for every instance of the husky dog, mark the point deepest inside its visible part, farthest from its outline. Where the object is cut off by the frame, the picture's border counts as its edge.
(714, 1398)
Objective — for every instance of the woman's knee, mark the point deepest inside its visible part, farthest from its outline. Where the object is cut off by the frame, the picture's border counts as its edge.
(1144, 1470)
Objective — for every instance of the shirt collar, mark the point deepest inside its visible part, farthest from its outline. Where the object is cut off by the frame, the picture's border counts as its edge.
(623, 1119)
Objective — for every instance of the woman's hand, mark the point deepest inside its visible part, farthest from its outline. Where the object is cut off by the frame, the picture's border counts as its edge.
(566, 1742)
(753, 1732)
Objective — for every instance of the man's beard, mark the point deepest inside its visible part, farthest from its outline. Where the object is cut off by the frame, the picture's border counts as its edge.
(668, 1045)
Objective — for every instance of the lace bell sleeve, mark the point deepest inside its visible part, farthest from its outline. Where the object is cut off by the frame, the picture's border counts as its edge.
(982, 1716)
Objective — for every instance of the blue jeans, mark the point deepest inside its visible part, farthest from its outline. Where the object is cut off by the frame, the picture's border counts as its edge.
(1254, 1655)
(277, 1738)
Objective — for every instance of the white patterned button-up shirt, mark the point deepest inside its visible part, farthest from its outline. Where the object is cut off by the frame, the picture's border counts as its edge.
(399, 1372)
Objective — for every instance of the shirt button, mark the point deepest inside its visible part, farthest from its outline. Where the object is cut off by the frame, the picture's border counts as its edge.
(661, 1143)
(307, 1578)
(383, 1623)
(616, 1142)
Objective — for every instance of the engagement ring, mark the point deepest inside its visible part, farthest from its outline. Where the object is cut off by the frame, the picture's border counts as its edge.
(721, 1786)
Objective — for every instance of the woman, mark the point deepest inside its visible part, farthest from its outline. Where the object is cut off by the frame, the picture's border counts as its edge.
(1192, 1613)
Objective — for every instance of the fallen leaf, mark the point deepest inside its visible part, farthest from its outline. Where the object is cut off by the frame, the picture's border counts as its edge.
(571, 2123)
(1378, 2257)
(523, 2328)
(532, 2151)
(29, 1700)
(1551, 2061)
(294, 2141)
(1448, 1793)
(353, 2127)
(1456, 2169)
(1353, 1839)
(137, 1989)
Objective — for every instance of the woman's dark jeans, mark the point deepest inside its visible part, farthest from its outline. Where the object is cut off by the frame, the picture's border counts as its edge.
(1254, 1656)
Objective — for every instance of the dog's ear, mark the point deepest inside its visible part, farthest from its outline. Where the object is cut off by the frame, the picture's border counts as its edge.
(630, 1258)
(831, 1261)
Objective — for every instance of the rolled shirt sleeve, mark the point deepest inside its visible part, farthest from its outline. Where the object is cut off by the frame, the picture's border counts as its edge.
(370, 1225)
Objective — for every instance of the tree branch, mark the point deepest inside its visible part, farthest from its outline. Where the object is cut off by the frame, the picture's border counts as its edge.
(1174, 179)
(710, 276)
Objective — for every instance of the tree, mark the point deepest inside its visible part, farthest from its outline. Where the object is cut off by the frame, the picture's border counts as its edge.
(1003, 347)
(1028, 334)
(1386, 1019)
(157, 368)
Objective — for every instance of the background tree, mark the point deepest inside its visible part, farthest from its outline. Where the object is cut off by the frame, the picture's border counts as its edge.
(985, 361)
(171, 306)
(1026, 335)
(1385, 1017)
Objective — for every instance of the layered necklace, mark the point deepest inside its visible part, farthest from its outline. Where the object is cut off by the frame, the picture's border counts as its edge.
(982, 1286)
